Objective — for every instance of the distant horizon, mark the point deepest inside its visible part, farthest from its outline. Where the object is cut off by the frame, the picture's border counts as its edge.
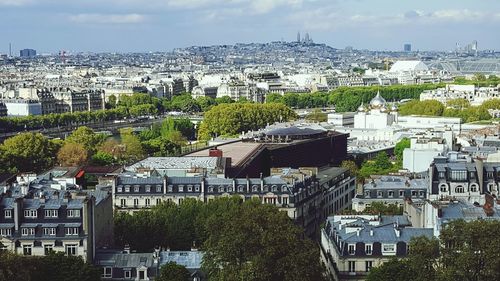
(15, 51)
(126, 26)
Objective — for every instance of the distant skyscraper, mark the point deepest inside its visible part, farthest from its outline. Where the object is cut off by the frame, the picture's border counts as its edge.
(407, 47)
(298, 37)
(306, 40)
(27, 53)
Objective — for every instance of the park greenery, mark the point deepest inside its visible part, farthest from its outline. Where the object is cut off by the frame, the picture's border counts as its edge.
(479, 80)
(233, 118)
(317, 116)
(346, 99)
(53, 267)
(459, 108)
(232, 234)
(464, 251)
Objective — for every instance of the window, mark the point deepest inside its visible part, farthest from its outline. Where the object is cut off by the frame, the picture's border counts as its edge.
(379, 194)
(255, 188)
(73, 213)
(50, 231)
(71, 230)
(441, 175)
(190, 188)
(391, 193)
(285, 200)
(147, 202)
(27, 250)
(28, 231)
(368, 249)
(136, 188)
(459, 175)
(158, 188)
(8, 214)
(473, 188)
(368, 265)
(421, 193)
(459, 189)
(367, 194)
(47, 249)
(51, 213)
(443, 188)
(127, 188)
(128, 273)
(158, 201)
(123, 202)
(170, 188)
(30, 213)
(6, 231)
(148, 188)
(136, 202)
(107, 272)
(180, 200)
(181, 188)
(351, 249)
(352, 266)
(71, 249)
(197, 188)
(119, 189)
(413, 193)
(388, 249)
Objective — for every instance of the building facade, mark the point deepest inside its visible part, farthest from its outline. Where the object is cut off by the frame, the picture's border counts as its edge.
(39, 215)
(352, 245)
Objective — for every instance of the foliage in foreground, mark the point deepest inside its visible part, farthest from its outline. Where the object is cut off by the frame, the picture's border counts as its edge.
(246, 240)
(54, 267)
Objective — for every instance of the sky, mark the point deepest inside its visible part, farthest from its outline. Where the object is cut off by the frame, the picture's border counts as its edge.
(162, 25)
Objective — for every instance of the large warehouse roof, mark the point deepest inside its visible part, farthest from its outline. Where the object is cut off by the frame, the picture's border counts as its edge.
(409, 65)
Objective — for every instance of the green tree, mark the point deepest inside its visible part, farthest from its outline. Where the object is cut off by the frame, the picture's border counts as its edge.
(351, 166)
(459, 104)
(132, 145)
(86, 137)
(427, 107)
(233, 250)
(102, 158)
(111, 101)
(400, 147)
(28, 152)
(173, 272)
(393, 270)
(72, 154)
(382, 161)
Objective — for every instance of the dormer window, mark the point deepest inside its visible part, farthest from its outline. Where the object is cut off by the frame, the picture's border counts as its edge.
(136, 188)
(73, 213)
(8, 214)
(158, 188)
(148, 188)
(127, 188)
(255, 188)
(181, 188)
(30, 214)
(119, 188)
(51, 213)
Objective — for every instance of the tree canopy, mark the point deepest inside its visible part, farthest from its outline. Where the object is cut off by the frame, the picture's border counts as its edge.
(173, 272)
(234, 118)
(232, 234)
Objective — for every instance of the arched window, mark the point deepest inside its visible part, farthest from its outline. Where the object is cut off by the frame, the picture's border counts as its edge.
(459, 189)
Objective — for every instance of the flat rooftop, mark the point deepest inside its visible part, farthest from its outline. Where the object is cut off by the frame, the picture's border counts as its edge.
(181, 163)
(237, 151)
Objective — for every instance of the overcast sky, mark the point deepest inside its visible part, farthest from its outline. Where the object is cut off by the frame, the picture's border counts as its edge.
(161, 25)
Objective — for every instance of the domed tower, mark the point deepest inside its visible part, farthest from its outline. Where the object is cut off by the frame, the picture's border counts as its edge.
(378, 102)
(395, 112)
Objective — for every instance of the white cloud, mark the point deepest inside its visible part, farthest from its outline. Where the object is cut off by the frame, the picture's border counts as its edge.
(15, 2)
(328, 18)
(107, 18)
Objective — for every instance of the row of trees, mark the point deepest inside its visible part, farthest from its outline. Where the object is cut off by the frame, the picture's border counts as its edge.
(133, 106)
(241, 240)
(465, 251)
(479, 80)
(53, 267)
(460, 108)
(349, 98)
(232, 119)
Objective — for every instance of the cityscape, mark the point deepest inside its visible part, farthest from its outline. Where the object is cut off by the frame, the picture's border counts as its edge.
(249, 140)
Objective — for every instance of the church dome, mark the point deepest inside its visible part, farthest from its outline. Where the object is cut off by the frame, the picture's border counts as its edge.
(362, 108)
(394, 107)
(378, 101)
